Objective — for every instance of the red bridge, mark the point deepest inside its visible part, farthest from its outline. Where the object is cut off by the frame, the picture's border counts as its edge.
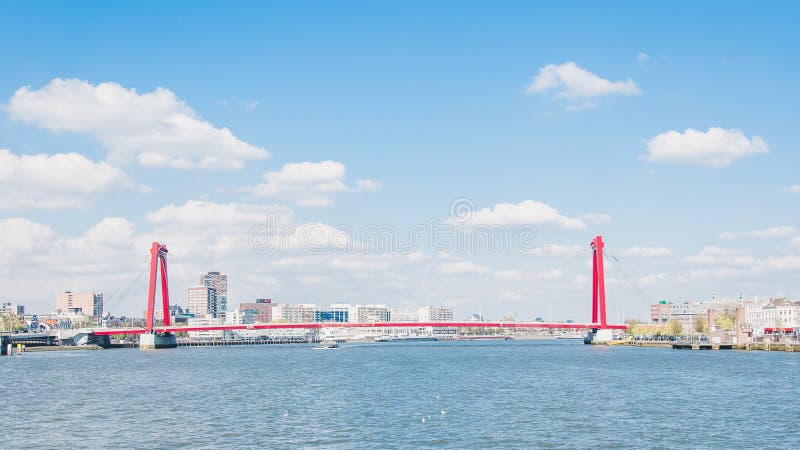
(600, 329)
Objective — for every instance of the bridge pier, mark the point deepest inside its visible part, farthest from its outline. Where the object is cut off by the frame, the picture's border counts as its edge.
(153, 341)
(599, 336)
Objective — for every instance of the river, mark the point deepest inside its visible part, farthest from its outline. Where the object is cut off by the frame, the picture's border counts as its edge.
(512, 394)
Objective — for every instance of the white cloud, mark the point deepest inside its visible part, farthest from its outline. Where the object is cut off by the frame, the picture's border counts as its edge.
(767, 233)
(647, 251)
(155, 128)
(721, 256)
(794, 189)
(642, 58)
(528, 212)
(577, 85)
(519, 275)
(204, 214)
(788, 262)
(61, 180)
(309, 183)
(22, 235)
(595, 218)
(462, 268)
(563, 250)
(717, 147)
(654, 278)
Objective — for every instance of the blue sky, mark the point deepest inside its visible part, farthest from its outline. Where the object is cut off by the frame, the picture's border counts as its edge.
(430, 102)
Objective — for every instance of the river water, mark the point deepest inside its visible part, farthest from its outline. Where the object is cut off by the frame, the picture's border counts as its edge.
(511, 394)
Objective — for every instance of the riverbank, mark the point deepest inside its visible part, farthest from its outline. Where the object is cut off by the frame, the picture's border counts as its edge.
(774, 347)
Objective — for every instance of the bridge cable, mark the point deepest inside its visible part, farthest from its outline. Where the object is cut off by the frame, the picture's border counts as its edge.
(126, 290)
(631, 282)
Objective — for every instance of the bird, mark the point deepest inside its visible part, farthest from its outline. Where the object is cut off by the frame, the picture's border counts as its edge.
(423, 420)
(443, 412)
(285, 413)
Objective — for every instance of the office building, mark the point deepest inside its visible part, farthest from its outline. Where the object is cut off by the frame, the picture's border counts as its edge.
(85, 303)
(202, 301)
(219, 283)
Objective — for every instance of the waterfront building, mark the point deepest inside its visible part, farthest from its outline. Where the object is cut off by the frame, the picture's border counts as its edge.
(404, 314)
(85, 303)
(202, 301)
(781, 315)
(369, 313)
(432, 313)
(659, 313)
(208, 334)
(334, 313)
(219, 283)
(259, 311)
(10, 308)
(303, 313)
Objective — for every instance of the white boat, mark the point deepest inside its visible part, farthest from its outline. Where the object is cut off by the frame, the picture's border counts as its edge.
(327, 344)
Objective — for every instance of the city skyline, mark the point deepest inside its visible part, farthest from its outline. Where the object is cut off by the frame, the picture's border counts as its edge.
(677, 147)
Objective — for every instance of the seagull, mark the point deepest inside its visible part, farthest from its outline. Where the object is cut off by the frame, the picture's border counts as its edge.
(423, 420)
(437, 398)
(443, 412)
(285, 413)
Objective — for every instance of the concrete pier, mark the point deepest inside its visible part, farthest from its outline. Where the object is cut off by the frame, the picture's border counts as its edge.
(599, 336)
(153, 341)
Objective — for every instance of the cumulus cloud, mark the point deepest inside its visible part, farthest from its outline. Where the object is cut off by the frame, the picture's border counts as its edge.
(717, 147)
(647, 252)
(721, 256)
(595, 218)
(577, 85)
(520, 275)
(54, 181)
(462, 268)
(309, 183)
(794, 189)
(766, 233)
(154, 128)
(528, 212)
(205, 214)
(22, 235)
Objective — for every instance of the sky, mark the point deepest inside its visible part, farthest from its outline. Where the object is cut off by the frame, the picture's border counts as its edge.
(369, 152)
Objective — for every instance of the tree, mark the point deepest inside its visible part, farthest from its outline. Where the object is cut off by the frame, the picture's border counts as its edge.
(675, 327)
(700, 323)
(632, 323)
(725, 322)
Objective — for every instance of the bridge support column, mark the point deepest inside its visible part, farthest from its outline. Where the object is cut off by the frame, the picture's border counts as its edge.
(153, 341)
(599, 336)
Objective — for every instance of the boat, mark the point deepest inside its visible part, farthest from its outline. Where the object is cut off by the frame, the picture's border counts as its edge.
(326, 344)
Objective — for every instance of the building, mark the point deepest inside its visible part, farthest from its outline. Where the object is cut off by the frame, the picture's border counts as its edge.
(202, 301)
(659, 313)
(781, 315)
(339, 313)
(205, 335)
(369, 313)
(10, 308)
(435, 314)
(303, 313)
(85, 303)
(258, 312)
(219, 283)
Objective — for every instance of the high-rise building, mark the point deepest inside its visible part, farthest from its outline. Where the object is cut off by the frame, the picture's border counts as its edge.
(202, 301)
(369, 313)
(84, 302)
(258, 312)
(219, 283)
(10, 308)
(435, 314)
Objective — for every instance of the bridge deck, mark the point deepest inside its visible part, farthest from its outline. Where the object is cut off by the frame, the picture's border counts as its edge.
(317, 325)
